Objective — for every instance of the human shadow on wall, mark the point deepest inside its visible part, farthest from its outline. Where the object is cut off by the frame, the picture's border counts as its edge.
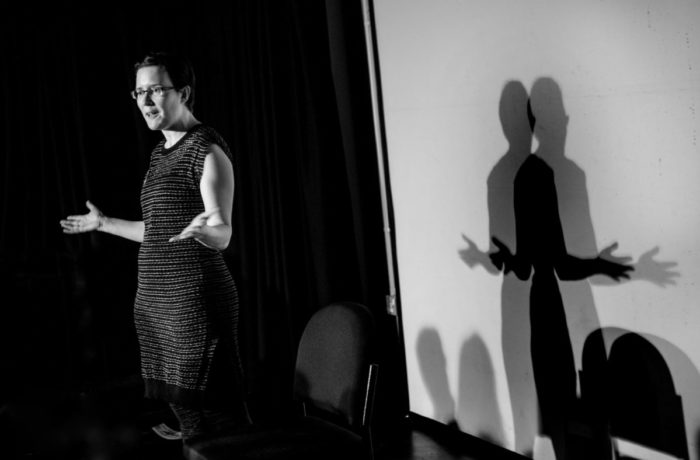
(575, 235)
(542, 251)
(631, 391)
(553, 233)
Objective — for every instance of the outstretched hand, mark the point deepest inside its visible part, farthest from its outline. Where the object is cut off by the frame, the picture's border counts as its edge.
(196, 228)
(84, 222)
(614, 266)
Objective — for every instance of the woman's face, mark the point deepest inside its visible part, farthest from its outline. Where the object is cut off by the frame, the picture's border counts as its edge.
(160, 112)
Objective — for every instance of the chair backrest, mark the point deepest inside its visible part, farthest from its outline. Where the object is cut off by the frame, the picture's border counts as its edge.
(333, 360)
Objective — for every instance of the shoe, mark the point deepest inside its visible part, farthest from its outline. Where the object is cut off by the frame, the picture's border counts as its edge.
(165, 432)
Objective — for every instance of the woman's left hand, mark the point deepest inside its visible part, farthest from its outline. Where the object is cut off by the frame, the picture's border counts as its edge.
(197, 228)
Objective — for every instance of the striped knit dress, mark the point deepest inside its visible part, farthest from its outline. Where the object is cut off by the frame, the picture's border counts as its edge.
(186, 308)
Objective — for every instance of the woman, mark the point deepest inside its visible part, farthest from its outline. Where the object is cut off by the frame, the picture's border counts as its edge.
(186, 307)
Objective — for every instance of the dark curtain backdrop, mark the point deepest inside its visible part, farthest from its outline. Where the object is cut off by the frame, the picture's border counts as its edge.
(286, 84)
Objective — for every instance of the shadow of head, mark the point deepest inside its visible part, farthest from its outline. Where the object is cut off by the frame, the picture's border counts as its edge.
(546, 110)
(514, 114)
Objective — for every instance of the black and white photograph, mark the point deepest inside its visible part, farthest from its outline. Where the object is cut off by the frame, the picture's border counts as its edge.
(350, 229)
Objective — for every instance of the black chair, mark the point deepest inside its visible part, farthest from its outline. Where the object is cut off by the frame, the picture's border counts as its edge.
(334, 383)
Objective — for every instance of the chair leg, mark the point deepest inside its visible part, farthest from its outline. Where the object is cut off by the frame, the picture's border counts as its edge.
(368, 409)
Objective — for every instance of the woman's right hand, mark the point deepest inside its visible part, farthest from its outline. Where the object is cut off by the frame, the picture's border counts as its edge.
(84, 222)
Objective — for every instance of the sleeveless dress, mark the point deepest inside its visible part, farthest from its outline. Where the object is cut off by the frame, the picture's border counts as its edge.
(186, 307)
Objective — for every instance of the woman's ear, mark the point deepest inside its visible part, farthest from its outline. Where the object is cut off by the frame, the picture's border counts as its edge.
(185, 93)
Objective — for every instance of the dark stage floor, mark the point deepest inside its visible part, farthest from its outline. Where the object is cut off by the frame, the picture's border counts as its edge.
(115, 424)
(143, 445)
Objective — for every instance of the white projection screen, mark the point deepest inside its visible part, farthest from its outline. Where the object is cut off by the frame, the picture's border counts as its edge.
(616, 87)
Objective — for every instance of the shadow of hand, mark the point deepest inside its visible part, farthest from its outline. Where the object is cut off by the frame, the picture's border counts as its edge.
(502, 258)
(613, 266)
(659, 273)
(473, 256)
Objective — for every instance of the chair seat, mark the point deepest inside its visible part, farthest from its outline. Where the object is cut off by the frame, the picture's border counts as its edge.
(307, 438)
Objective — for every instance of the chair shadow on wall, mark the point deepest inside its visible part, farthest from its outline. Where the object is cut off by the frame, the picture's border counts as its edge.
(538, 205)
(476, 410)
(631, 392)
(433, 368)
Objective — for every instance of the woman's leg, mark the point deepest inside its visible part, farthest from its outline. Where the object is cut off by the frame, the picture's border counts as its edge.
(191, 421)
(198, 422)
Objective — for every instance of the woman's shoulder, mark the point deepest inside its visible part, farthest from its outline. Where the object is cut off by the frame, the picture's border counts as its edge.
(206, 135)
(204, 132)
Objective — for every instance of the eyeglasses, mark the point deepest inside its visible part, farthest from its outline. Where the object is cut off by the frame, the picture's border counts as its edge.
(156, 91)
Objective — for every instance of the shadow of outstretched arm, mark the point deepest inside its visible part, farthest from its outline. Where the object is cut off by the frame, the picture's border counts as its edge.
(615, 268)
(649, 270)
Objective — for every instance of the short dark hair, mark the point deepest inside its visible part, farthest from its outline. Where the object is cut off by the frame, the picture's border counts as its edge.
(179, 69)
